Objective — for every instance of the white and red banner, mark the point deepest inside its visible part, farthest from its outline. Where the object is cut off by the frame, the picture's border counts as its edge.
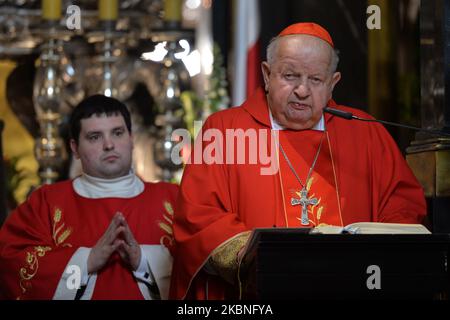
(247, 62)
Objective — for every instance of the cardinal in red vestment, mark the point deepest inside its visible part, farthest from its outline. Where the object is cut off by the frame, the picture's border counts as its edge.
(297, 167)
(104, 235)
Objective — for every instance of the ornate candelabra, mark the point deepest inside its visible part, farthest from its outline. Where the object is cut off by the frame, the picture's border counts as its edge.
(170, 108)
(170, 111)
(48, 87)
(106, 39)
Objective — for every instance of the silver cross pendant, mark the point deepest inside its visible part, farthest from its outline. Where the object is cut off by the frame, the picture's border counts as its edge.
(304, 202)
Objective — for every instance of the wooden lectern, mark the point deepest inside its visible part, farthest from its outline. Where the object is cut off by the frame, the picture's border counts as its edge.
(283, 264)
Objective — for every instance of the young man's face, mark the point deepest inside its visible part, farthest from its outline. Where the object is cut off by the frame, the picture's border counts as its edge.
(104, 146)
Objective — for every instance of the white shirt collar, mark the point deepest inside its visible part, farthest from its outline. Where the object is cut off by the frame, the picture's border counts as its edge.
(320, 126)
(127, 186)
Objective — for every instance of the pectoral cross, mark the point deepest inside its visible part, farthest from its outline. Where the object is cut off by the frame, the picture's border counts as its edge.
(304, 202)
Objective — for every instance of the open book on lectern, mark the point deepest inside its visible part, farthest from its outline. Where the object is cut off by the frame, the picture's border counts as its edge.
(373, 228)
(354, 228)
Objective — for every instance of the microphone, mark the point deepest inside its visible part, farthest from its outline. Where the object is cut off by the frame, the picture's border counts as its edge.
(349, 116)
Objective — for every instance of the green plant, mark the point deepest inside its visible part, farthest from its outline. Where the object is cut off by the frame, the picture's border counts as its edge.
(14, 177)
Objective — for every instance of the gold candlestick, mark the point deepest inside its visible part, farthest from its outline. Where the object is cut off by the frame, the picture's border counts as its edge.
(172, 10)
(108, 10)
(51, 9)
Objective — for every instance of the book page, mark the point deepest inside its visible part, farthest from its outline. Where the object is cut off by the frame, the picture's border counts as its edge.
(328, 229)
(373, 228)
(385, 228)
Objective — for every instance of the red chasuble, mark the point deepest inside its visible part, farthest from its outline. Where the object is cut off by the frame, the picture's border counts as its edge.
(360, 175)
(40, 236)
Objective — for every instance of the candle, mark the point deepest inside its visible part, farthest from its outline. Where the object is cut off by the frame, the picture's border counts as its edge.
(172, 10)
(51, 9)
(108, 9)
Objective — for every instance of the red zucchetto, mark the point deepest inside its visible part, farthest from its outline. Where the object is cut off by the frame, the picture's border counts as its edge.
(308, 28)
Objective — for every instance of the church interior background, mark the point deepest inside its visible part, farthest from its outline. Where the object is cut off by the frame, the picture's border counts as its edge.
(175, 61)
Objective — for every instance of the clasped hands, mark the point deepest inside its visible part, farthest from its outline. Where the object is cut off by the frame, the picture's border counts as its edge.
(117, 238)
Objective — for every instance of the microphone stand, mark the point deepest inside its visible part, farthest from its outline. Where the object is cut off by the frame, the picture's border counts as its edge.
(349, 116)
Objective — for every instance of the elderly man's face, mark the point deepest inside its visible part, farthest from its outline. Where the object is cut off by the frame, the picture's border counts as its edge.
(299, 81)
(104, 147)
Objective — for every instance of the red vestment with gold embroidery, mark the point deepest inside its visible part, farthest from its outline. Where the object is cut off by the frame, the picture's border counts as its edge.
(41, 235)
(360, 176)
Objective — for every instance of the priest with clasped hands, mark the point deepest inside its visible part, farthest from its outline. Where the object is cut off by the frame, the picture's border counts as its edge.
(103, 235)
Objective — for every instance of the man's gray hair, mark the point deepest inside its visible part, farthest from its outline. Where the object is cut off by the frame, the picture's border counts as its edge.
(273, 46)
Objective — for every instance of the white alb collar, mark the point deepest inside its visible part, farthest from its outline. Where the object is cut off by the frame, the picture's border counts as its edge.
(127, 186)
